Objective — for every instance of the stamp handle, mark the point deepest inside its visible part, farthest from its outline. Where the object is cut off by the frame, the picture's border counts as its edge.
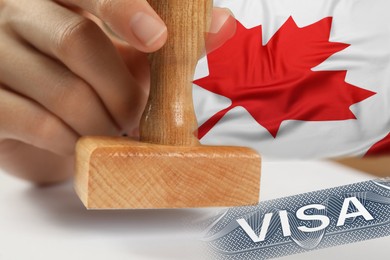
(169, 116)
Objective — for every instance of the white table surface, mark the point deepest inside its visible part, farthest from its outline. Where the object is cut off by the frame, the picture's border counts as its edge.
(51, 223)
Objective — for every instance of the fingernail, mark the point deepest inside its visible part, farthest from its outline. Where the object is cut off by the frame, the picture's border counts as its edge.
(147, 28)
(219, 18)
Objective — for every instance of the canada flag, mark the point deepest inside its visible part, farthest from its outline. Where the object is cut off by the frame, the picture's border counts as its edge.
(299, 79)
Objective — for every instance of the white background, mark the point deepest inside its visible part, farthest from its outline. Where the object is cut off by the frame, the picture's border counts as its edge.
(51, 223)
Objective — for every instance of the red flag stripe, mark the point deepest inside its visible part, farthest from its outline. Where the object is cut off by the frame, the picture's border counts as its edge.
(380, 148)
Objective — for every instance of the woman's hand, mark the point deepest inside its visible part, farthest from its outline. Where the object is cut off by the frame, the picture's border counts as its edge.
(62, 77)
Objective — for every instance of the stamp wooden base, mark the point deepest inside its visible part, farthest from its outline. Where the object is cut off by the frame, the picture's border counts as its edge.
(121, 173)
(169, 168)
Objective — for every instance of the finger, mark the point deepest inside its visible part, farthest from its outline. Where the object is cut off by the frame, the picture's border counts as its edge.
(54, 87)
(223, 27)
(136, 62)
(84, 48)
(34, 164)
(26, 121)
(133, 20)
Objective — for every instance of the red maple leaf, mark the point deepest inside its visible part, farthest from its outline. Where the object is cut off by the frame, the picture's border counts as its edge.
(275, 82)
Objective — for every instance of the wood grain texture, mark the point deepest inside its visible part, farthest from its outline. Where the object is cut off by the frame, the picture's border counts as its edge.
(169, 116)
(169, 168)
(121, 173)
(376, 165)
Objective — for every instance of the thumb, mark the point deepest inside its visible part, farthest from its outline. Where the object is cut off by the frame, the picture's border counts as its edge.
(134, 21)
(223, 27)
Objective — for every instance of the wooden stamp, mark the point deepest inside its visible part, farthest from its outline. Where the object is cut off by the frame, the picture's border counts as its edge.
(168, 168)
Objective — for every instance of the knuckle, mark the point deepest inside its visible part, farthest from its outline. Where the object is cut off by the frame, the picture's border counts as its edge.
(80, 107)
(72, 34)
(75, 101)
(44, 127)
(75, 94)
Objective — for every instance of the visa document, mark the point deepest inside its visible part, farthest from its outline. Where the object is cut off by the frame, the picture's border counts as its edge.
(301, 223)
